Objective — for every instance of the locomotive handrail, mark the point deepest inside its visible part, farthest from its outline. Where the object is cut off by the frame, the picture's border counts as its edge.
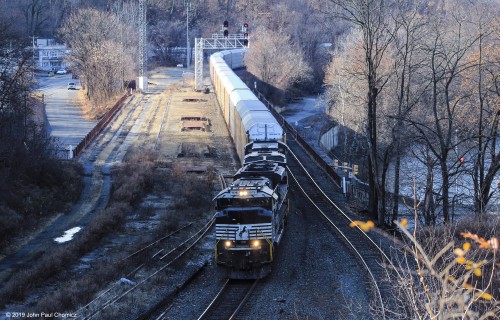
(270, 245)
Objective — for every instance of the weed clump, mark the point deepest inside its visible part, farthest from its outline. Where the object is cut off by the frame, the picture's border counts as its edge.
(446, 273)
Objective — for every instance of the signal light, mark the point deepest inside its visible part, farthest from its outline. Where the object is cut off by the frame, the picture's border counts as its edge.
(245, 25)
(344, 165)
(245, 35)
(226, 24)
(336, 163)
(245, 42)
(355, 169)
(226, 33)
(462, 159)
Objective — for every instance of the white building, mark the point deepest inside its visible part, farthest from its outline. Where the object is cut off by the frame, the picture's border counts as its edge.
(48, 55)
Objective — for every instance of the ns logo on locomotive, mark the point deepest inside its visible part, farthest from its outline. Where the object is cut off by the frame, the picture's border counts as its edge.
(251, 212)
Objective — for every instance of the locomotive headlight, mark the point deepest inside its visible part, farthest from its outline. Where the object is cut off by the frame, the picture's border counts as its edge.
(243, 193)
(256, 243)
(228, 244)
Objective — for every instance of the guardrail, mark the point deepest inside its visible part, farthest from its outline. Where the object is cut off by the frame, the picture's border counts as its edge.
(99, 126)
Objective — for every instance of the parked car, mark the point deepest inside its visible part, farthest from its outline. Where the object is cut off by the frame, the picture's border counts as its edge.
(61, 71)
(71, 86)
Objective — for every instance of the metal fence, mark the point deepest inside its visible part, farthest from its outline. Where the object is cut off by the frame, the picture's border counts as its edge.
(99, 126)
(310, 150)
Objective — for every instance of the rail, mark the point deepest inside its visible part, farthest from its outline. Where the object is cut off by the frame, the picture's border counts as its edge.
(303, 143)
(183, 247)
(99, 126)
(230, 299)
(339, 229)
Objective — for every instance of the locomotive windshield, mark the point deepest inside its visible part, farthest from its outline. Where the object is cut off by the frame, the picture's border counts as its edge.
(276, 158)
(244, 217)
(265, 203)
(253, 159)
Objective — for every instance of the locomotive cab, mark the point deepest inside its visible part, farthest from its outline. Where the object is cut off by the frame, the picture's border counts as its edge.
(273, 156)
(250, 220)
(265, 147)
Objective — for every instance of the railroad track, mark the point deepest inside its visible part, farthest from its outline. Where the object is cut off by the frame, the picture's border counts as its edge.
(163, 117)
(157, 262)
(156, 258)
(370, 255)
(229, 300)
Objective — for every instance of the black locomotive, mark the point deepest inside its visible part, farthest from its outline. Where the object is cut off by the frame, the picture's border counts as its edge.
(250, 218)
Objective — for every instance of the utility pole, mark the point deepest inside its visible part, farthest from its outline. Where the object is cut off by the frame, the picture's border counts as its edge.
(187, 3)
(143, 81)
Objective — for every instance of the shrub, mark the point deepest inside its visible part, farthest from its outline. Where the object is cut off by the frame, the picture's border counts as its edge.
(11, 221)
(451, 277)
(134, 179)
(38, 191)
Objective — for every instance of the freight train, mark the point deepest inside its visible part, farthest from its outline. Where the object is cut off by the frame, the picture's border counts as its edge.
(251, 212)
(246, 117)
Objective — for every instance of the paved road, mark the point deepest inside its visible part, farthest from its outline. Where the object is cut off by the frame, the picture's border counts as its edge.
(65, 121)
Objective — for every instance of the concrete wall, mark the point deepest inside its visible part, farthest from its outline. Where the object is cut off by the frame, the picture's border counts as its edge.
(330, 139)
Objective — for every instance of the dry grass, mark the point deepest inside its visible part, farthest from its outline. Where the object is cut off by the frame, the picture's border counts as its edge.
(34, 191)
(132, 182)
(134, 179)
(93, 111)
(73, 292)
(55, 263)
(450, 272)
(128, 189)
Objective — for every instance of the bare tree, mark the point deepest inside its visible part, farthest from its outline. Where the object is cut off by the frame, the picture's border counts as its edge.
(482, 80)
(370, 17)
(446, 50)
(100, 51)
(406, 91)
(274, 60)
(35, 15)
(312, 32)
(21, 139)
(166, 35)
(346, 92)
